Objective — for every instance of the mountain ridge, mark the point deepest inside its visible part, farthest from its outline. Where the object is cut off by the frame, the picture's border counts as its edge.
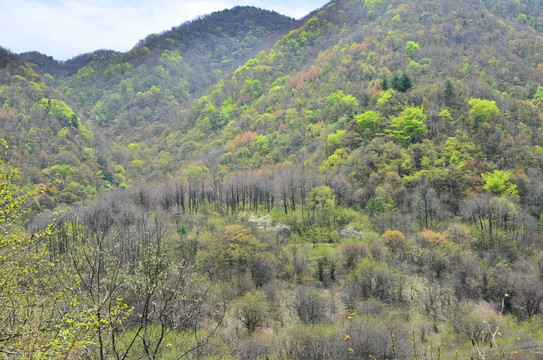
(156, 88)
(182, 33)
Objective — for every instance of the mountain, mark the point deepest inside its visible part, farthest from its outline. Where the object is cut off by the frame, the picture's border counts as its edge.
(167, 69)
(125, 94)
(47, 137)
(328, 89)
(334, 92)
(364, 182)
(46, 64)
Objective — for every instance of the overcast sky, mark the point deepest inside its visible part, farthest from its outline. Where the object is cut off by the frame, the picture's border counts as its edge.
(66, 28)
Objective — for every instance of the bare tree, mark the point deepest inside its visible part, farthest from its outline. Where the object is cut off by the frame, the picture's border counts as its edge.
(309, 305)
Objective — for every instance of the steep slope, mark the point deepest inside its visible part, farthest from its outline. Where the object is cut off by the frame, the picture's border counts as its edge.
(333, 92)
(133, 94)
(166, 70)
(347, 89)
(371, 185)
(47, 137)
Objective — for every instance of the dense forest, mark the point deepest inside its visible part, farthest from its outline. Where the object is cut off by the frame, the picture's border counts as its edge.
(366, 182)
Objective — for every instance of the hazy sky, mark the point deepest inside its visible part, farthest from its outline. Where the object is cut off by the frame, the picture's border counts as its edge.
(66, 28)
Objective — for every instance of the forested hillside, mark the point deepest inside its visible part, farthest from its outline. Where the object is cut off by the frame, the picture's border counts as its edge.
(124, 97)
(364, 182)
(150, 83)
(49, 138)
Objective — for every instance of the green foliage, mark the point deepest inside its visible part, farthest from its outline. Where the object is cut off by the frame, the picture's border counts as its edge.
(60, 328)
(334, 161)
(499, 183)
(64, 171)
(409, 127)
(538, 96)
(385, 98)
(371, 4)
(172, 56)
(341, 104)
(445, 115)
(321, 203)
(449, 94)
(280, 136)
(482, 111)
(231, 247)
(401, 82)
(368, 122)
(252, 88)
(60, 110)
(195, 174)
(317, 235)
(63, 133)
(465, 71)
(335, 140)
(411, 47)
(376, 206)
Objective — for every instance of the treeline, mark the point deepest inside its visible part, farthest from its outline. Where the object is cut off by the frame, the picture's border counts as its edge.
(497, 216)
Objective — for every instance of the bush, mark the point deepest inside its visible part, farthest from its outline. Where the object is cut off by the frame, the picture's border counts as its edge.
(354, 252)
(310, 306)
(252, 310)
(369, 337)
(433, 238)
(313, 343)
(395, 240)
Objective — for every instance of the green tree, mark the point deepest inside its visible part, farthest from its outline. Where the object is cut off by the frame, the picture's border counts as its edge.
(230, 248)
(252, 310)
(376, 206)
(538, 96)
(340, 104)
(411, 47)
(252, 88)
(449, 94)
(499, 183)
(196, 174)
(322, 202)
(335, 141)
(371, 4)
(401, 82)
(384, 84)
(61, 111)
(539, 93)
(406, 82)
(409, 127)
(482, 111)
(368, 123)
(385, 99)
(38, 317)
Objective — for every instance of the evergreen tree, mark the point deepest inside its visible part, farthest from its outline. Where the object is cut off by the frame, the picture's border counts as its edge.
(406, 82)
(384, 84)
(449, 94)
(396, 82)
(401, 82)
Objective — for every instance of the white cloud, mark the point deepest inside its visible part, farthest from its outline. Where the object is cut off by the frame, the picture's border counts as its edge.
(66, 28)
